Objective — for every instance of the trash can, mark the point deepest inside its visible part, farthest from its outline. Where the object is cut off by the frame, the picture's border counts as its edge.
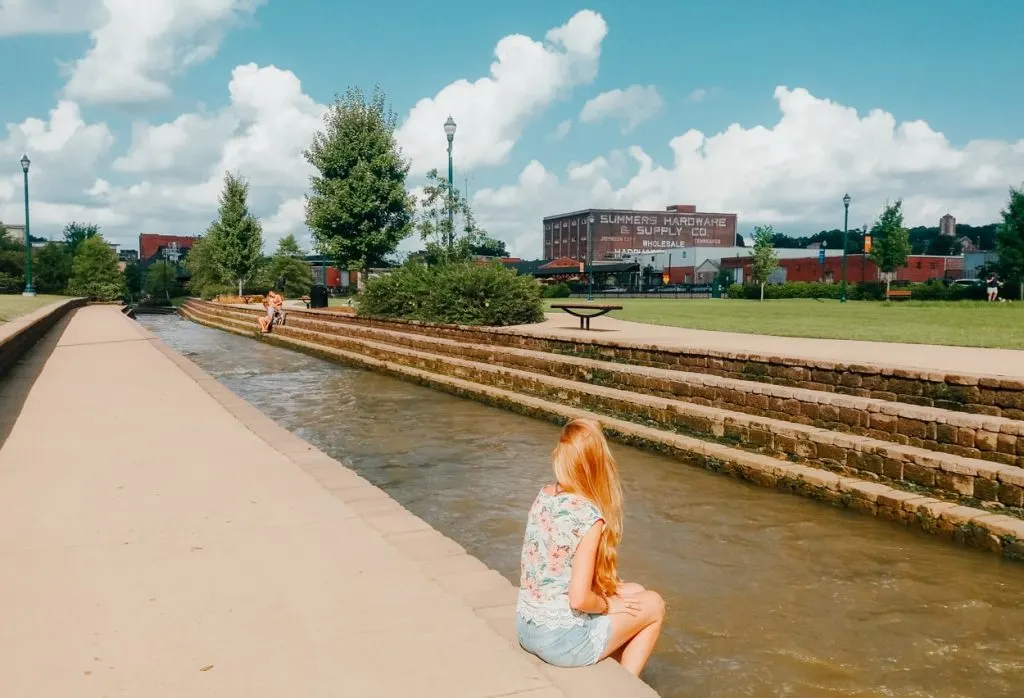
(318, 296)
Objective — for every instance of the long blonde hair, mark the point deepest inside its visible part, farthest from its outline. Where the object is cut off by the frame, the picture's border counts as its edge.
(583, 465)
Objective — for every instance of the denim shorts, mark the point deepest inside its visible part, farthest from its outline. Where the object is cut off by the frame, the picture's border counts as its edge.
(580, 645)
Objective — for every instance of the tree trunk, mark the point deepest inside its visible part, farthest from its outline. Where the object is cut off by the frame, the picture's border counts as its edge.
(239, 288)
(888, 281)
(1021, 296)
(762, 290)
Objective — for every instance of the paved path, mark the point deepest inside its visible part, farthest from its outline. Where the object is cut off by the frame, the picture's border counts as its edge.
(161, 537)
(1001, 362)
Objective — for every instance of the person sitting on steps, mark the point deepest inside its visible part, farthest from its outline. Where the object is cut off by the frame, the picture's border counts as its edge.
(573, 610)
(273, 302)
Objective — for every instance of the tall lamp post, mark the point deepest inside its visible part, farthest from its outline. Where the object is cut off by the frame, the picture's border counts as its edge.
(846, 225)
(449, 131)
(590, 257)
(29, 289)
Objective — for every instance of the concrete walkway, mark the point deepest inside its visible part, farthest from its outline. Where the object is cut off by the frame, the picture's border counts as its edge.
(161, 537)
(969, 360)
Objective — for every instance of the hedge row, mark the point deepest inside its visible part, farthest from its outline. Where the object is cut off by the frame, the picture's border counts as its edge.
(873, 291)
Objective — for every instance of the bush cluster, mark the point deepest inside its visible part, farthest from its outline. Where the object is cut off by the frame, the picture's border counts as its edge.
(462, 294)
(560, 290)
(870, 291)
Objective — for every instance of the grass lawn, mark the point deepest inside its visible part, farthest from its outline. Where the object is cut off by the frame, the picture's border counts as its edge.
(920, 322)
(12, 306)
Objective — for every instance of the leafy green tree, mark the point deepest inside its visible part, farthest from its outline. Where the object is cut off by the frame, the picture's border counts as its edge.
(162, 280)
(358, 210)
(444, 244)
(207, 279)
(52, 268)
(94, 271)
(489, 247)
(134, 279)
(76, 233)
(890, 241)
(764, 260)
(1010, 240)
(239, 235)
(943, 246)
(12, 263)
(288, 266)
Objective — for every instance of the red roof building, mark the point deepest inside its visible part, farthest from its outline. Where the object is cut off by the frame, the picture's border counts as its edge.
(150, 243)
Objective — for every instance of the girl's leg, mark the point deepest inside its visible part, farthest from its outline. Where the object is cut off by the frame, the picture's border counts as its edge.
(632, 637)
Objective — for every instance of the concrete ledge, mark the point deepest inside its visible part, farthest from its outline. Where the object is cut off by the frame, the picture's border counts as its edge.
(20, 334)
(490, 596)
(963, 524)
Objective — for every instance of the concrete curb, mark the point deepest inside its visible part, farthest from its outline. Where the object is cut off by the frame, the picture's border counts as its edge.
(21, 334)
(490, 596)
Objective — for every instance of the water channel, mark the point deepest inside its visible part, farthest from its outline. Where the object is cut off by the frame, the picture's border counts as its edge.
(768, 594)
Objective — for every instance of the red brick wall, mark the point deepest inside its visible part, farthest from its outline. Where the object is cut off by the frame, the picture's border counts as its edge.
(858, 268)
(150, 243)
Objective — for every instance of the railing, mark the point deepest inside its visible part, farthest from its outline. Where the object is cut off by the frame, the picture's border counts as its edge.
(673, 291)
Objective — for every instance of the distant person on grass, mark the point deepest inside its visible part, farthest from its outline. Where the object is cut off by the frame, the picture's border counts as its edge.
(993, 285)
(573, 609)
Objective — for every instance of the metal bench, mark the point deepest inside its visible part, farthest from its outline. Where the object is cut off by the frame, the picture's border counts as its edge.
(575, 309)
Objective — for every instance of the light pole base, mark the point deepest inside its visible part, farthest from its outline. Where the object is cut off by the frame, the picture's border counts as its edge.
(29, 292)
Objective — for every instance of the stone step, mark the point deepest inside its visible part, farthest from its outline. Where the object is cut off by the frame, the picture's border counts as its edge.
(976, 393)
(956, 477)
(995, 439)
(973, 526)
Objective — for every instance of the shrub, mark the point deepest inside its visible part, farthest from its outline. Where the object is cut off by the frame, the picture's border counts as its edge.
(868, 291)
(94, 271)
(462, 293)
(560, 290)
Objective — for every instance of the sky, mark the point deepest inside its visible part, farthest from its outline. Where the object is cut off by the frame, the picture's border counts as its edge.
(132, 112)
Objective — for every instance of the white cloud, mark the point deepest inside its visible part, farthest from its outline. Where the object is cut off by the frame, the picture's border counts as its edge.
(49, 16)
(135, 51)
(632, 106)
(698, 95)
(491, 112)
(562, 130)
(792, 174)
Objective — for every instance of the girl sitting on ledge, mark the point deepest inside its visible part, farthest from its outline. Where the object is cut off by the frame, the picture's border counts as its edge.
(573, 610)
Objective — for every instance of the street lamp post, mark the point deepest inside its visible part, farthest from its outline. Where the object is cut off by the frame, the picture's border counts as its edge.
(449, 131)
(846, 224)
(590, 257)
(29, 289)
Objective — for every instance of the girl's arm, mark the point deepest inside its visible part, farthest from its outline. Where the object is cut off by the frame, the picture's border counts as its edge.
(581, 582)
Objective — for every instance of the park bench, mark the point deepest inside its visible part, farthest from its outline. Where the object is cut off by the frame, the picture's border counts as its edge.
(576, 310)
(898, 294)
(306, 300)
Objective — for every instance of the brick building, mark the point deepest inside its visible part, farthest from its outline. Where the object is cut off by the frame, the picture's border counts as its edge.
(859, 268)
(150, 244)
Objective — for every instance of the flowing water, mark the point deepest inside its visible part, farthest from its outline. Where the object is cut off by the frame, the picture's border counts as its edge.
(768, 594)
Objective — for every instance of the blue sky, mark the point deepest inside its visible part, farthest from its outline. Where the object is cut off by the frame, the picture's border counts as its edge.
(952, 65)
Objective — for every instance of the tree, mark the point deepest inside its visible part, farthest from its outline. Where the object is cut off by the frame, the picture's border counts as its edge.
(489, 247)
(12, 263)
(288, 265)
(76, 233)
(944, 246)
(52, 268)
(94, 271)
(239, 235)
(133, 279)
(359, 210)
(890, 241)
(206, 276)
(162, 280)
(432, 222)
(1010, 240)
(764, 260)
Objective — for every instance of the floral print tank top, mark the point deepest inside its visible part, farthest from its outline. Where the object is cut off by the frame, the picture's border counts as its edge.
(554, 528)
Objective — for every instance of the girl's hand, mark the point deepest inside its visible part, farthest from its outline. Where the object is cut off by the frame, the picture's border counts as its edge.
(624, 603)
